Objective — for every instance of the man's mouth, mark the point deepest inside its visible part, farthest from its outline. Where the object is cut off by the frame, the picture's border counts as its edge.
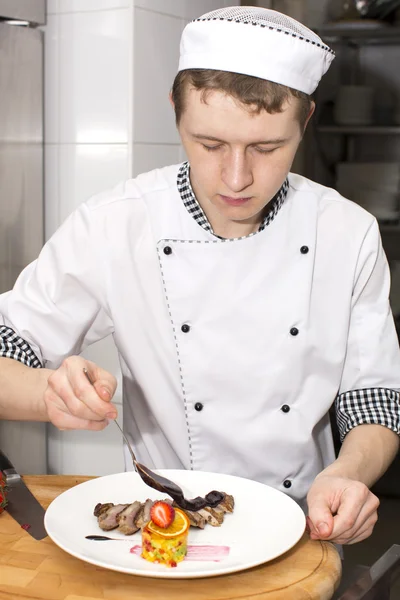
(235, 201)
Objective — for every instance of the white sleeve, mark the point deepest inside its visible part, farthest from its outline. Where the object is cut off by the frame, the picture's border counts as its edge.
(58, 305)
(373, 355)
(371, 373)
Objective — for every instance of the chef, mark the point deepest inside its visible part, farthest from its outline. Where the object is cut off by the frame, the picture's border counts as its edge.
(243, 300)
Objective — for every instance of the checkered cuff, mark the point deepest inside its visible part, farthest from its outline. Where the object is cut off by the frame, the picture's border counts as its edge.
(379, 406)
(14, 346)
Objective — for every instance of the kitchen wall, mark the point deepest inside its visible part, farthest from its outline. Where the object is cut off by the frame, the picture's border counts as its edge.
(109, 65)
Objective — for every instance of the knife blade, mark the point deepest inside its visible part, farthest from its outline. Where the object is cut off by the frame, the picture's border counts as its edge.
(21, 503)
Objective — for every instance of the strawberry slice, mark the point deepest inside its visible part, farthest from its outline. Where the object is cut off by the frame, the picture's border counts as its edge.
(162, 514)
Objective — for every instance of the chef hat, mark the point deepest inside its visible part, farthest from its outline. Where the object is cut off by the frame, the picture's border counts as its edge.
(258, 42)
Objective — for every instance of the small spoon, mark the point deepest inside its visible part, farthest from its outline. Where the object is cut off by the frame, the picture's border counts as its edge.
(162, 484)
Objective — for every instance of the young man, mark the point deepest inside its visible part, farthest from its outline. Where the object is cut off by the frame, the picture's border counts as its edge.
(243, 300)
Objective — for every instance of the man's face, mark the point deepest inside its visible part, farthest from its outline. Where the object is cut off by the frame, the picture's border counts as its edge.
(238, 159)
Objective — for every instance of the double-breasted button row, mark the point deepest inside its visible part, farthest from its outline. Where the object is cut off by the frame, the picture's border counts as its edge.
(303, 250)
(198, 406)
(294, 331)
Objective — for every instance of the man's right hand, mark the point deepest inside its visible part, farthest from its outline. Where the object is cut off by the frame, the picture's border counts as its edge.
(72, 402)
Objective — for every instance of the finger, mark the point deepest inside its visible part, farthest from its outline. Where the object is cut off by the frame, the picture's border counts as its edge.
(57, 409)
(311, 528)
(320, 515)
(104, 383)
(357, 508)
(83, 402)
(78, 391)
(363, 524)
(63, 420)
(68, 422)
(359, 536)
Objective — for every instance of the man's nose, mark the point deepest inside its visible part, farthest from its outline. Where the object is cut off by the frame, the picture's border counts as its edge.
(236, 172)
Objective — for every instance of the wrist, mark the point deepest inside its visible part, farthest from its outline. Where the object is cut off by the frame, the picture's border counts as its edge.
(41, 407)
(344, 467)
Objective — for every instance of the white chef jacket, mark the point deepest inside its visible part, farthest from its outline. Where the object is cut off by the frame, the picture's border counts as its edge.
(231, 351)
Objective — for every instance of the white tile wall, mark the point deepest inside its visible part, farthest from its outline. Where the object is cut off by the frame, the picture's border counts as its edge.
(151, 156)
(51, 187)
(156, 53)
(51, 80)
(93, 79)
(52, 7)
(65, 6)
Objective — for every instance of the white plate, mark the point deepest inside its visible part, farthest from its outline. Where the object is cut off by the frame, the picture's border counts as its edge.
(265, 524)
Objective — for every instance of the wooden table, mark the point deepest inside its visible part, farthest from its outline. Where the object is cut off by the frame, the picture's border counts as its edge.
(33, 570)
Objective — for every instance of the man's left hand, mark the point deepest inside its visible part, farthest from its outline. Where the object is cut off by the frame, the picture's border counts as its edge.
(341, 510)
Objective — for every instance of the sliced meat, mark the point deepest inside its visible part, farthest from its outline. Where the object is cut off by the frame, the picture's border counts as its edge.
(129, 518)
(209, 517)
(143, 516)
(195, 518)
(217, 513)
(126, 518)
(227, 504)
(108, 519)
(100, 508)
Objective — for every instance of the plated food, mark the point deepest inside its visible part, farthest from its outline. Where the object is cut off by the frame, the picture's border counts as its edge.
(164, 538)
(129, 518)
(243, 541)
(164, 526)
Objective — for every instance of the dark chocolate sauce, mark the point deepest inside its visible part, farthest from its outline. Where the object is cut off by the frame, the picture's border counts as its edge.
(160, 483)
(99, 538)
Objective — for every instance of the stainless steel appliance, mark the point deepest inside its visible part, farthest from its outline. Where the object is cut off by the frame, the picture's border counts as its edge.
(21, 181)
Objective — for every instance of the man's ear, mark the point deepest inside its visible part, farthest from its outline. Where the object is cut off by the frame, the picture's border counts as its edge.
(310, 114)
(171, 101)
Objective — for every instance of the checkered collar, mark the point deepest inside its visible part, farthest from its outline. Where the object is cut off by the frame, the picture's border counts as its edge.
(194, 208)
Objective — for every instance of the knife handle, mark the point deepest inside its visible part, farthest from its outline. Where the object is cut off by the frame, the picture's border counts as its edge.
(5, 463)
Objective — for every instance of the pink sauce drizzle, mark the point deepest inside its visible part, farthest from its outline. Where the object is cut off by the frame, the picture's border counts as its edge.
(198, 553)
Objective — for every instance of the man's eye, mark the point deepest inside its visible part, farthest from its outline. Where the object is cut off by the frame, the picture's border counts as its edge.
(211, 148)
(266, 150)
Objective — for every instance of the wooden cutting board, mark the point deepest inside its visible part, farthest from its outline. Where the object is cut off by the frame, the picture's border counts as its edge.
(33, 570)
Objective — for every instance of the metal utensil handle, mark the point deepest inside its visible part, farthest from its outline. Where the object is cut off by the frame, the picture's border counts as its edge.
(126, 442)
(115, 421)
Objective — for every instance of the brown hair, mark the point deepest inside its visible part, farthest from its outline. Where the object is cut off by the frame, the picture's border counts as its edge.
(258, 94)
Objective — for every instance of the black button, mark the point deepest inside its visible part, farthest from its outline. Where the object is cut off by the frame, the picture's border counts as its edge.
(304, 249)
(185, 328)
(294, 331)
(167, 250)
(287, 484)
(285, 408)
(198, 406)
